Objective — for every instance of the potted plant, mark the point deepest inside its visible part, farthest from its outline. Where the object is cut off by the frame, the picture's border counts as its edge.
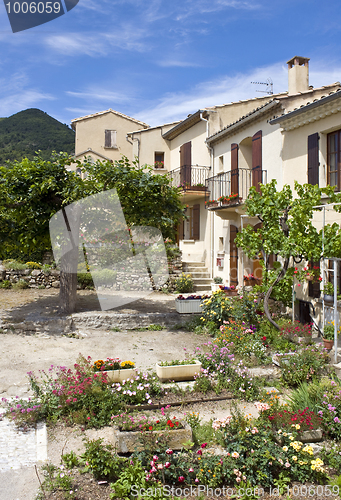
(178, 370)
(328, 334)
(328, 292)
(217, 281)
(115, 369)
(250, 279)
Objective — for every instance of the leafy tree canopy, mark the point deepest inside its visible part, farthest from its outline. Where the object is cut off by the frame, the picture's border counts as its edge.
(287, 228)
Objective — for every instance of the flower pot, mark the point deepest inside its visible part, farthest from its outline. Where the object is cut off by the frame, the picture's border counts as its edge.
(213, 205)
(215, 287)
(119, 375)
(129, 441)
(328, 298)
(188, 306)
(328, 344)
(178, 372)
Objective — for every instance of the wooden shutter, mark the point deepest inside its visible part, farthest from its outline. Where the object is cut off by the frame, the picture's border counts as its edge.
(233, 256)
(180, 232)
(313, 159)
(234, 169)
(257, 160)
(314, 289)
(196, 221)
(185, 163)
(110, 139)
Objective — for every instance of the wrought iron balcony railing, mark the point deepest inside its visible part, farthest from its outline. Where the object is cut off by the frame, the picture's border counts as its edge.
(236, 181)
(190, 177)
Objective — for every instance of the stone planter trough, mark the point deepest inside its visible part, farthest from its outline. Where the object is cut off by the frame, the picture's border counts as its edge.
(127, 441)
(312, 436)
(178, 372)
(119, 375)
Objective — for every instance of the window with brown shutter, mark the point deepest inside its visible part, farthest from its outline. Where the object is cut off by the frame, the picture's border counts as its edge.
(257, 160)
(234, 169)
(334, 159)
(313, 159)
(185, 164)
(110, 139)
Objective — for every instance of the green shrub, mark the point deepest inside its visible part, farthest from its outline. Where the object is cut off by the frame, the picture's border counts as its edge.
(101, 461)
(85, 280)
(104, 276)
(33, 265)
(305, 364)
(14, 265)
(184, 283)
(5, 284)
(20, 285)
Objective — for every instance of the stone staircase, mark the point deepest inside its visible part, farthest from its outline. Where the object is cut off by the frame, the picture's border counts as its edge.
(200, 275)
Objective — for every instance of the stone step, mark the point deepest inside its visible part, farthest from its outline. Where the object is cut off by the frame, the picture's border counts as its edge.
(186, 265)
(202, 281)
(202, 288)
(200, 275)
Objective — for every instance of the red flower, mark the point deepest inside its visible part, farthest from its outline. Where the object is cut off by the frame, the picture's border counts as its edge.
(199, 452)
(151, 428)
(203, 445)
(181, 479)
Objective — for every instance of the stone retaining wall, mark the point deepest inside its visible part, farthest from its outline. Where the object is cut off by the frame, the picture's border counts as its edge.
(35, 278)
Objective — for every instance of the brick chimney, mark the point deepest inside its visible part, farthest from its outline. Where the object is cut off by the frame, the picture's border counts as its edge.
(298, 74)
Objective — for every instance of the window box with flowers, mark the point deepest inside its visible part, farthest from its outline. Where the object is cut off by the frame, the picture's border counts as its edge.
(159, 165)
(211, 204)
(250, 280)
(183, 370)
(230, 291)
(232, 199)
(115, 369)
(127, 438)
(189, 304)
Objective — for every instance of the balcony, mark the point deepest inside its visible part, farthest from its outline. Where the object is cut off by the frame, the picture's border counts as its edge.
(191, 179)
(235, 182)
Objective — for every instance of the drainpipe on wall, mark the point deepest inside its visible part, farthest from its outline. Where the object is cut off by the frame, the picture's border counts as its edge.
(211, 150)
(138, 146)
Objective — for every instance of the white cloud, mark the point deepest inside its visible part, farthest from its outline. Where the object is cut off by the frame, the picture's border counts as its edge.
(226, 89)
(100, 95)
(16, 102)
(174, 63)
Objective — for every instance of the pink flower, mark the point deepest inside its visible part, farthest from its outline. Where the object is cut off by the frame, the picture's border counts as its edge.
(203, 445)
(238, 479)
(167, 464)
(196, 480)
(169, 451)
(181, 479)
(190, 469)
(199, 452)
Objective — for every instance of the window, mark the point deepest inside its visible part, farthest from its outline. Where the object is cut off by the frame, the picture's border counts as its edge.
(221, 163)
(110, 139)
(334, 159)
(159, 160)
(192, 223)
(79, 172)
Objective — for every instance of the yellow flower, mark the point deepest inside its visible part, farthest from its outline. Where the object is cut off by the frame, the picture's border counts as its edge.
(285, 448)
(291, 438)
(294, 458)
(298, 426)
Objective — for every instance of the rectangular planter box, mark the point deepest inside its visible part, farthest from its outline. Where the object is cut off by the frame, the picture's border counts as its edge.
(313, 436)
(120, 375)
(127, 442)
(188, 306)
(178, 372)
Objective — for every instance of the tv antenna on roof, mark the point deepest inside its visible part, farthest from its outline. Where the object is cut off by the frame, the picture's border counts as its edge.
(269, 86)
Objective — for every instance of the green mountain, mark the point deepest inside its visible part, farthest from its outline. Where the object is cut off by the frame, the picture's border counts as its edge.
(26, 132)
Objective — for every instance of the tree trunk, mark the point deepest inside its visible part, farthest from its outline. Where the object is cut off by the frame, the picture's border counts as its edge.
(268, 293)
(68, 282)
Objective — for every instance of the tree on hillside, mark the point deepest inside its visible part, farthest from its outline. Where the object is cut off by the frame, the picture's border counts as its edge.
(32, 191)
(287, 229)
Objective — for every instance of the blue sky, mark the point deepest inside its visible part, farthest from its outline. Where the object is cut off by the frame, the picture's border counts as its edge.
(159, 60)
